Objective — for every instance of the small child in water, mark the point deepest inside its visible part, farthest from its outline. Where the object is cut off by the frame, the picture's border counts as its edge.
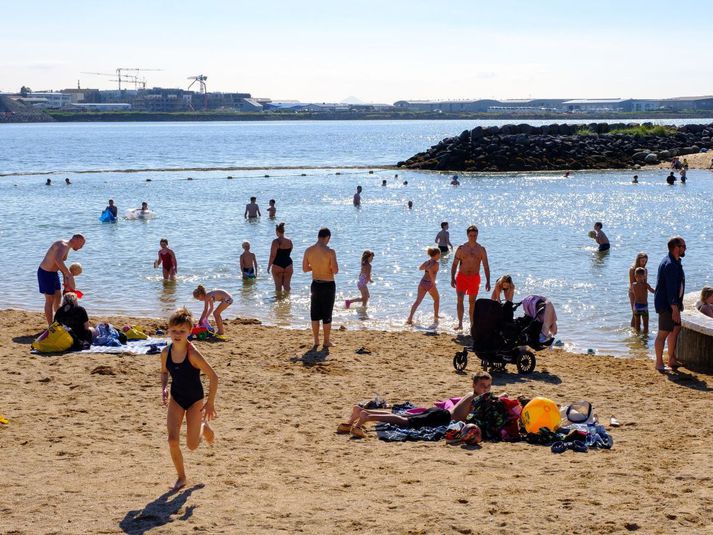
(640, 288)
(272, 209)
(443, 239)
(209, 298)
(364, 279)
(248, 262)
(166, 259)
(184, 363)
(428, 284)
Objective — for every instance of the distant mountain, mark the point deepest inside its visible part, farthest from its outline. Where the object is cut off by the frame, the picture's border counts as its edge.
(352, 100)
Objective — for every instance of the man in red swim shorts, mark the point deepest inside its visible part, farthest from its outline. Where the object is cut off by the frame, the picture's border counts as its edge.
(468, 257)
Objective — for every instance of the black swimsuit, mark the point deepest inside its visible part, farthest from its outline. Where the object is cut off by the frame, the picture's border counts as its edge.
(186, 387)
(282, 258)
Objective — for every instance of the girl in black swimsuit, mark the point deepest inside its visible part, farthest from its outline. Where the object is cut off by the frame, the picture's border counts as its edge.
(184, 363)
(280, 261)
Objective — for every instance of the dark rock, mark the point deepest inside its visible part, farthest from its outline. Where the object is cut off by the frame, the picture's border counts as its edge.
(651, 159)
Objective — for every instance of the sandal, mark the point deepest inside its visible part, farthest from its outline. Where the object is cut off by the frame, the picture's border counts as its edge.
(664, 369)
(358, 431)
(344, 428)
(675, 366)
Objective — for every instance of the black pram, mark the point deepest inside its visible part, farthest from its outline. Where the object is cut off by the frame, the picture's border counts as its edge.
(500, 339)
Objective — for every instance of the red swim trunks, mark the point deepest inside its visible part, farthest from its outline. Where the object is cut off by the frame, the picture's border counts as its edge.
(467, 284)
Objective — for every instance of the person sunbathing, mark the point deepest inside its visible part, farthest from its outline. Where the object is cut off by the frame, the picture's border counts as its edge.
(433, 417)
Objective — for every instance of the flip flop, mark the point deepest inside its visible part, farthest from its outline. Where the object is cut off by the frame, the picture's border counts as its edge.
(664, 369)
(358, 431)
(344, 428)
(4, 420)
(675, 366)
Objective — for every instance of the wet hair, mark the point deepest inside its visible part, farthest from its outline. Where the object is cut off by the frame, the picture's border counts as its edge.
(324, 232)
(444, 224)
(272, 201)
(111, 201)
(182, 316)
(199, 291)
(253, 199)
(640, 271)
(246, 245)
(482, 376)
(366, 255)
(79, 237)
(70, 298)
(433, 251)
(280, 227)
(359, 187)
(598, 224)
(410, 204)
(144, 202)
(471, 228)
(638, 258)
(674, 242)
(706, 292)
(163, 240)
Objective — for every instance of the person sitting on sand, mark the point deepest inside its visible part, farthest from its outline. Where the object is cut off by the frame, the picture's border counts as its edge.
(248, 262)
(443, 239)
(252, 210)
(167, 260)
(600, 237)
(75, 318)
(504, 286)
(184, 363)
(271, 209)
(357, 197)
(209, 299)
(433, 417)
(364, 280)
(705, 304)
(428, 284)
(640, 290)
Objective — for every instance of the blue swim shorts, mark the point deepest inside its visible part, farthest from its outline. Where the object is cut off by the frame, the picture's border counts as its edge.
(48, 281)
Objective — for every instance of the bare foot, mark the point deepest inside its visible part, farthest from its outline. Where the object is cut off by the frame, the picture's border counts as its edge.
(314, 348)
(180, 483)
(328, 344)
(208, 433)
(409, 321)
(459, 327)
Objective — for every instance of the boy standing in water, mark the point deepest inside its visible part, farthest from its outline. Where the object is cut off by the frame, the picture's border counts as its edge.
(357, 197)
(252, 210)
(272, 209)
(248, 262)
(600, 237)
(640, 288)
(443, 239)
(184, 364)
(167, 259)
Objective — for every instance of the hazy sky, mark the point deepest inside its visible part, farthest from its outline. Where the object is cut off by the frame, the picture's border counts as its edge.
(378, 51)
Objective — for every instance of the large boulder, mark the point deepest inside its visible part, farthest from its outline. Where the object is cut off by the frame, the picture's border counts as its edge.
(651, 159)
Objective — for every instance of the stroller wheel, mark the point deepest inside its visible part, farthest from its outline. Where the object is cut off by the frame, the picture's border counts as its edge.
(460, 360)
(526, 362)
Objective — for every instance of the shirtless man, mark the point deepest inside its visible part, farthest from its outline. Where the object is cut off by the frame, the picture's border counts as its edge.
(252, 210)
(469, 256)
(322, 262)
(48, 276)
(357, 197)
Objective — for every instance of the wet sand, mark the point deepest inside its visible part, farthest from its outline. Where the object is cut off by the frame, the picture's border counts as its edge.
(85, 449)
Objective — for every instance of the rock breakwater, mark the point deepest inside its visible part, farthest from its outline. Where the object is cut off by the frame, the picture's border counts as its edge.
(524, 147)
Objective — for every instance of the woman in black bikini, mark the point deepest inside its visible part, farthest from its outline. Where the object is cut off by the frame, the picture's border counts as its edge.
(184, 363)
(280, 261)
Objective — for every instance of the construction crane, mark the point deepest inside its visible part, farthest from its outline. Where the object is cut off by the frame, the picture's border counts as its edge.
(203, 89)
(121, 70)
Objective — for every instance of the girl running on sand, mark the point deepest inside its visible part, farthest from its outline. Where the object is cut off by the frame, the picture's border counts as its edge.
(364, 279)
(209, 298)
(428, 284)
(185, 363)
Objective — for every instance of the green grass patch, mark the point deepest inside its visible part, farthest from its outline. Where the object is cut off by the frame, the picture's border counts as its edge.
(585, 131)
(645, 130)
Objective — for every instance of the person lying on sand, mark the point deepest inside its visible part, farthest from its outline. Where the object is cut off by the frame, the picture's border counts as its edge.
(482, 381)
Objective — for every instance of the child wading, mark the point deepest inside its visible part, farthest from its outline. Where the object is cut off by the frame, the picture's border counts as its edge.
(428, 284)
(364, 279)
(640, 290)
(166, 259)
(185, 363)
(209, 299)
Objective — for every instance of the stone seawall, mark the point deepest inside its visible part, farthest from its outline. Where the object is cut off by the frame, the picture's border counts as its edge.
(524, 147)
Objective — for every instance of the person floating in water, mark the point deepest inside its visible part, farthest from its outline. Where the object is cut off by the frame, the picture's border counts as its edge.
(67, 181)
(252, 210)
(454, 181)
(167, 260)
(364, 280)
(184, 363)
(272, 209)
(635, 180)
(600, 237)
(410, 205)
(144, 207)
(383, 183)
(49, 182)
(357, 197)
(443, 239)
(248, 262)
(671, 179)
(112, 209)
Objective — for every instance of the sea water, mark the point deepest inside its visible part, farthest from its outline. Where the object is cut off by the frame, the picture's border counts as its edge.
(533, 225)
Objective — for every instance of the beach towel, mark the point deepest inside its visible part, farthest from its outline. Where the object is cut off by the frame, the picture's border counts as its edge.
(136, 347)
(394, 433)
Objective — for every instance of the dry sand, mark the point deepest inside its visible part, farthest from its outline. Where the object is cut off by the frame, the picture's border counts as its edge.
(701, 160)
(86, 452)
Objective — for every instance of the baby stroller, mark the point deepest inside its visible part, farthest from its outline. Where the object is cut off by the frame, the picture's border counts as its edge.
(500, 339)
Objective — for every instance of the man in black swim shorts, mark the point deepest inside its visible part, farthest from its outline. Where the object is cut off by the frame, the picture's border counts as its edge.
(322, 262)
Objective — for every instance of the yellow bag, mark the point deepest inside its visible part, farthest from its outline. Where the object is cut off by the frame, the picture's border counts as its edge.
(135, 333)
(54, 340)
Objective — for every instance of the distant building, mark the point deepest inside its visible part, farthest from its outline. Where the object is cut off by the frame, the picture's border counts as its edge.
(688, 103)
(480, 106)
(99, 106)
(48, 100)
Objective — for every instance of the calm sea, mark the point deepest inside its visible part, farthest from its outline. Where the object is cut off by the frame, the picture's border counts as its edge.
(534, 225)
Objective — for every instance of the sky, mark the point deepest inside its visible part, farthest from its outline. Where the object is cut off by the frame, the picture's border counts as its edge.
(376, 51)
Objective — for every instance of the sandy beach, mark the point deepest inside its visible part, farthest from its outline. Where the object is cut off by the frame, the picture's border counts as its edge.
(701, 160)
(85, 448)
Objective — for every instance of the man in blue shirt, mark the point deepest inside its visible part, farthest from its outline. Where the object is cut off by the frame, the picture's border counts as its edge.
(668, 300)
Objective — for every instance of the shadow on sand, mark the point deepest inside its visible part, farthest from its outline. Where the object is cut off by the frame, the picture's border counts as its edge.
(159, 512)
(312, 357)
(689, 381)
